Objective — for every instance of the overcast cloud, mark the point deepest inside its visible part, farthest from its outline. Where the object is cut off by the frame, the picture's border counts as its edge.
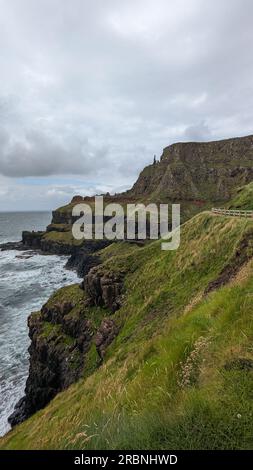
(92, 89)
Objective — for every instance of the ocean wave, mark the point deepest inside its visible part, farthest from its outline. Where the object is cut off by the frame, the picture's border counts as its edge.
(25, 285)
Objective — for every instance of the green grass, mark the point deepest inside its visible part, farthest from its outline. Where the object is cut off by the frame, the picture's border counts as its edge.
(71, 293)
(62, 238)
(119, 248)
(170, 378)
(243, 198)
(75, 295)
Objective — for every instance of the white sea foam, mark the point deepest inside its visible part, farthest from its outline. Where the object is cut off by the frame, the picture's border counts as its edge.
(25, 284)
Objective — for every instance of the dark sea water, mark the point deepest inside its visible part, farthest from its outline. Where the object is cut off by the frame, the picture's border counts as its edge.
(25, 284)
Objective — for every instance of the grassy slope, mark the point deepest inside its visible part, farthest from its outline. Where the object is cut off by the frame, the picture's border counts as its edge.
(243, 199)
(63, 238)
(178, 375)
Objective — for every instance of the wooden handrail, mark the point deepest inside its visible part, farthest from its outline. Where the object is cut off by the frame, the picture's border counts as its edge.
(232, 212)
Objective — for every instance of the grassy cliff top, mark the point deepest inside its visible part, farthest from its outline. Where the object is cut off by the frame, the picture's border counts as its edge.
(243, 198)
(180, 373)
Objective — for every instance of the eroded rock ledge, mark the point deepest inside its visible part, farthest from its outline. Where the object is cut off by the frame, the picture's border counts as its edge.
(69, 338)
(104, 288)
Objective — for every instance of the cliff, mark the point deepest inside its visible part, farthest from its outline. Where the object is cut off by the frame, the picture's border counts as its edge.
(169, 367)
(69, 337)
(208, 171)
(196, 175)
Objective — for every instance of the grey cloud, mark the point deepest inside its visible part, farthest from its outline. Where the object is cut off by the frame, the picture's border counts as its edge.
(95, 89)
(38, 154)
(197, 132)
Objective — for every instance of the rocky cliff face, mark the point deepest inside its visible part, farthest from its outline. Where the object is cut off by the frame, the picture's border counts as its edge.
(104, 289)
(57, 354)
(60, 338)
(198, 171)
(69, 336)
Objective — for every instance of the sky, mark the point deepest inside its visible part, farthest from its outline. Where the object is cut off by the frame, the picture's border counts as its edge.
(90, 90)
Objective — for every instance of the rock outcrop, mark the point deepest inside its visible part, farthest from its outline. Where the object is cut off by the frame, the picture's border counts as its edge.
(61, 335)
(11, 246)
(32, 239)
(105, 335)
(84, 258)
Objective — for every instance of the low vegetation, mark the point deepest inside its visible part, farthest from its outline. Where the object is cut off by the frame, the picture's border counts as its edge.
(243, 199)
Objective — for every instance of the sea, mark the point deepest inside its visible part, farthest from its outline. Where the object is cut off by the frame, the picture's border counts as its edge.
(27, 279)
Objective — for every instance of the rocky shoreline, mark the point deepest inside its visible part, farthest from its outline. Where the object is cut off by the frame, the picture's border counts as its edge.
(13, 246)
(81, 258)
(67, 342)
(62, 335)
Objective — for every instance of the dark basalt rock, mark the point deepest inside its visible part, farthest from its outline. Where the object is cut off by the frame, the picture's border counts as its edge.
(82, 258)
(56, 313)
(61, 335)
(104, 288)
(32, 239)
(82, 263)
(57, 357)
(19, 414)
(105, 335)
(12, 246)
